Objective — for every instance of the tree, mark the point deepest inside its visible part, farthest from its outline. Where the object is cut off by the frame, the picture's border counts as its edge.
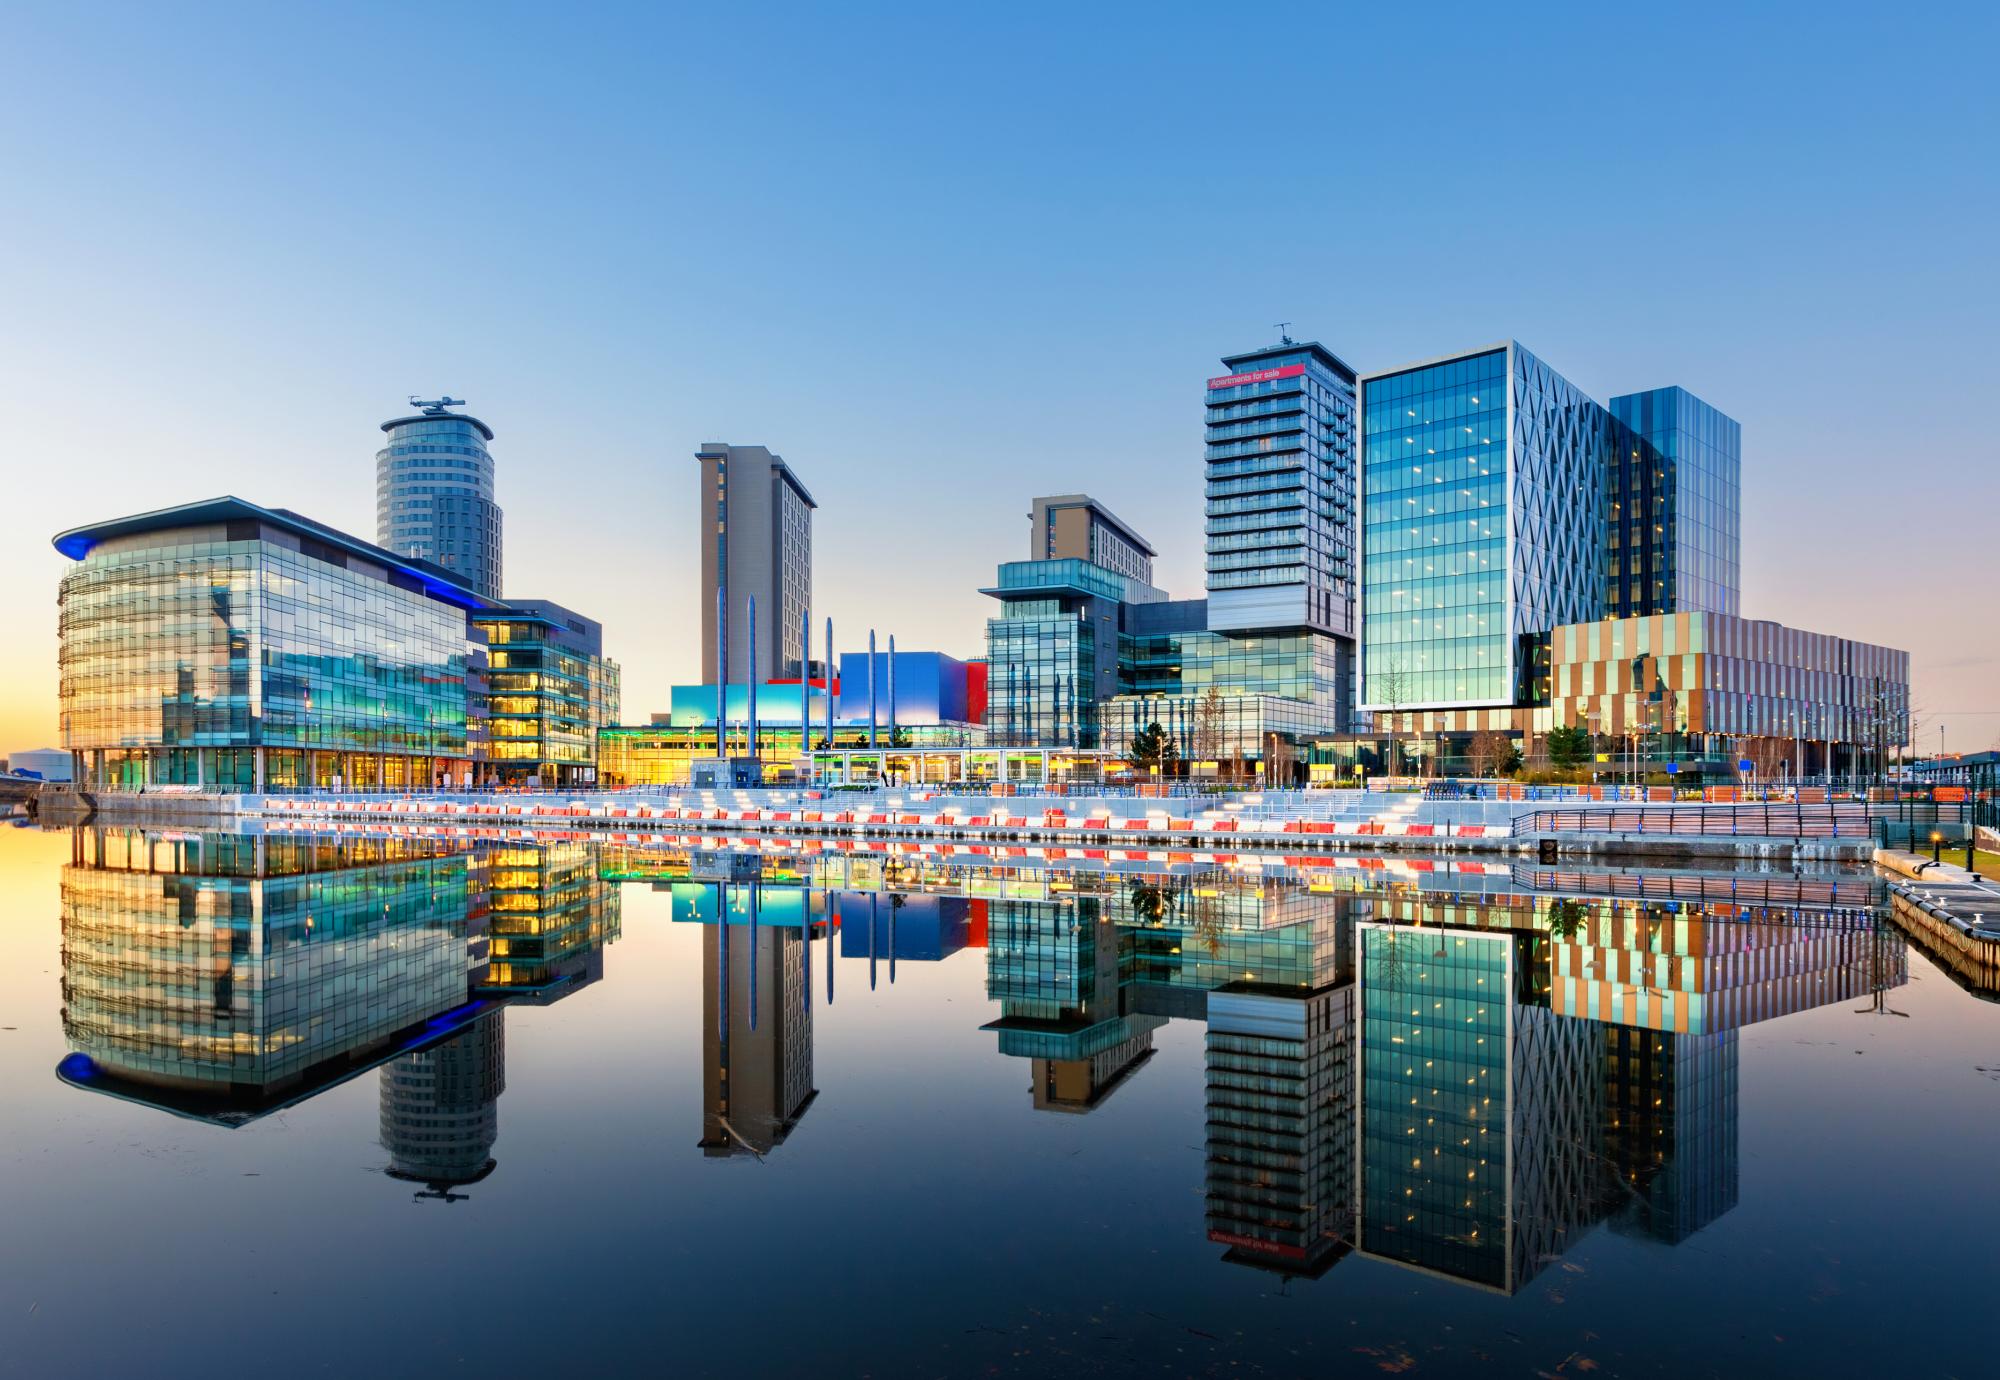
(1767, 755)
(1208, 720)
(1494, 753)
(1568, 746)
(1391, 687)
(1152, 747)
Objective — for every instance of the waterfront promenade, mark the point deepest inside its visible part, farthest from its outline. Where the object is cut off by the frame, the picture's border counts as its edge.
(1283, 821)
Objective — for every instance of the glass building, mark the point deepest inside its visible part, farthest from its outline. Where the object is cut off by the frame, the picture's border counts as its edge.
(1675, 538)
(1280, 490)
(1482, 525)
(1499, 501)
(549, 689)
(1052, 654)
(434, 494)
(220, 646)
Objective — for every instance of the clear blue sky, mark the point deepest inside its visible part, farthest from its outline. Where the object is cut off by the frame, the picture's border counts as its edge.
(945, 259)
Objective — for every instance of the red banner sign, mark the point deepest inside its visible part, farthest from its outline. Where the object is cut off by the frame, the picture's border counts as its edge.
(1257, 376)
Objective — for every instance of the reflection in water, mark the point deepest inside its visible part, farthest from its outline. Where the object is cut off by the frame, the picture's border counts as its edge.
(223, 976)
(441, 1108)
(1458, 1068)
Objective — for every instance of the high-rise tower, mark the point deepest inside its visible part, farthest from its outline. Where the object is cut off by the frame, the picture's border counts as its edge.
(1281, 492)
(434, 493)
(756, 538)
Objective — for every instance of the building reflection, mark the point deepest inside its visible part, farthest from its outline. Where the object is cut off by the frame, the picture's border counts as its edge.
(1458, 1069)
(1280, 1183)
(441, 1108)
(225, 976)
(757, 1027)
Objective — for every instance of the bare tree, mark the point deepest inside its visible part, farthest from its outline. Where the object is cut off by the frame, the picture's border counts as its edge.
(1767, 755)
(1493, 753)
(1391, 689)
(1208, 719)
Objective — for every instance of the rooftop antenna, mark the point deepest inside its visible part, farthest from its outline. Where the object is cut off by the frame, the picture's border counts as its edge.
(435, 407)
(1284, 329)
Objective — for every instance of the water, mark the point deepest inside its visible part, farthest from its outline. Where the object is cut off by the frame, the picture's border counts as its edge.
(1167, 1121)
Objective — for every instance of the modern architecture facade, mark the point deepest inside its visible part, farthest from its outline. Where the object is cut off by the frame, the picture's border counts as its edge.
(548, 689)
(1052, 655)
(1500, 501)
(1674, 526)
(1078, 527)
(1695, 693)
(222, 646)
(755, 529)
(434, 493)
(1280, 491)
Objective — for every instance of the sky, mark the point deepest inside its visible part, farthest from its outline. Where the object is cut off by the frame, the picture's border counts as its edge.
(946, 258)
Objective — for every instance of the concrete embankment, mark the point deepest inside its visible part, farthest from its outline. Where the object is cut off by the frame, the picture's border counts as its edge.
(1953, 913)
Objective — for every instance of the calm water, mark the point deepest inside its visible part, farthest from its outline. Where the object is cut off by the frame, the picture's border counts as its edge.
(401, 1107)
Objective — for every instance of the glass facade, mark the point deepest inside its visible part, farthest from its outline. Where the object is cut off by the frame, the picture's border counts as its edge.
(549, 689)
(1675, 531)
(1500, 501)
(258, 651)
(434, 496)
(1052, 654)
(1482, 482)
(1280, 491)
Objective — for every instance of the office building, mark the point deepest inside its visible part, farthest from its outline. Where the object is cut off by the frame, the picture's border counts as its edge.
(1280, 480)
(754, 520)
(1499, 502)
(1078, 527)
(222, 646)
(1053, 653)
(1476, 538)
(434, 493)
(548, 689)
(1674, 534)
(1697, 695)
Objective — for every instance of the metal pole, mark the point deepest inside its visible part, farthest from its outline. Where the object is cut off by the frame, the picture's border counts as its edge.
(721, 671)
(892, 689)
(829, 688)
(871, 690)
(750, 717)
(806, 696)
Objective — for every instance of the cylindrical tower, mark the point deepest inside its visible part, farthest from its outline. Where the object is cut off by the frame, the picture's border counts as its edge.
(434, 493)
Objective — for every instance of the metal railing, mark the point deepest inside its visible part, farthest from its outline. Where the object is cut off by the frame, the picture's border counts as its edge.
(1795, 820)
